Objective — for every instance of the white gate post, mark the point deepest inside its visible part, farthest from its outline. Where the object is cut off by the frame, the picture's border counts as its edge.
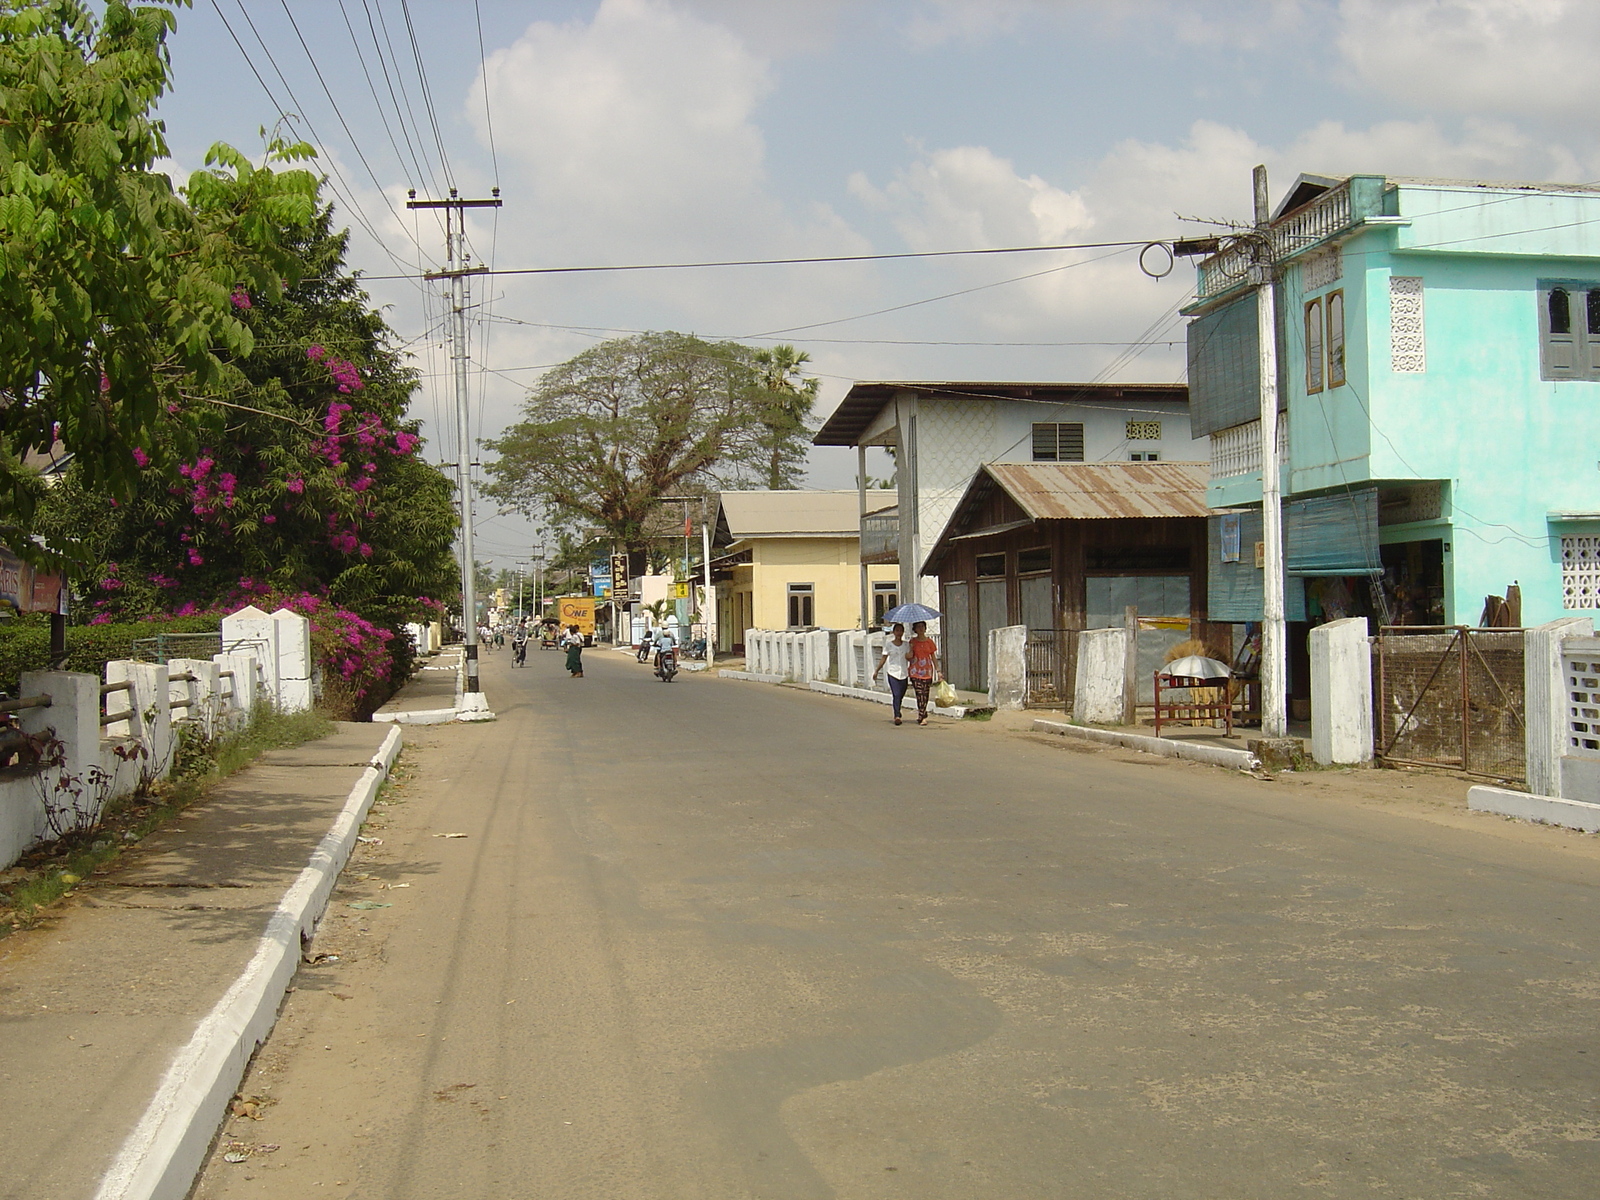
(1545, 700)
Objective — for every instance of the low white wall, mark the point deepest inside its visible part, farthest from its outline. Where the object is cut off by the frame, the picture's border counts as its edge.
(800, 657)
(1341, 692)
(88, 762)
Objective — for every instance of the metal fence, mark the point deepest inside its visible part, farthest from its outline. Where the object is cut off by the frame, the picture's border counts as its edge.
(1451, 696)
(1052, 663)
(166, 646)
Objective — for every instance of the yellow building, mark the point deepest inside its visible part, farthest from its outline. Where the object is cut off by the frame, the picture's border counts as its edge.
(791, 560)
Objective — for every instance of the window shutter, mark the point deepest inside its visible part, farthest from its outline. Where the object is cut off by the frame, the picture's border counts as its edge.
(1071, 443)
(1044, 443)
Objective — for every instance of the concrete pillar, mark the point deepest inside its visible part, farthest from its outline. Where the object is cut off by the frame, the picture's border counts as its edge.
(151, 723)
(252, 629)
(1008, 666)
(238, 691)
(74, 718)
(1544, 711)
(201, 693)
(1341, 692)
(1098, 691)
(294, 661)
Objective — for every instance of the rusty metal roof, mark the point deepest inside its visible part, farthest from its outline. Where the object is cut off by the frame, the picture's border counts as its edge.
(1101, 491)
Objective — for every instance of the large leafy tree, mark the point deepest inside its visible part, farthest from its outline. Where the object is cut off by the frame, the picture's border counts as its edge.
(115, 312)
(609, 433)
(307, 479)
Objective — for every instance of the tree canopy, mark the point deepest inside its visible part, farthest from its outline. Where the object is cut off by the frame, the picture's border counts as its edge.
(609, 433)
(117, 310)
(309, 481)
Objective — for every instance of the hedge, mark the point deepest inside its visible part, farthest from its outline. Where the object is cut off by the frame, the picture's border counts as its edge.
(25, 644)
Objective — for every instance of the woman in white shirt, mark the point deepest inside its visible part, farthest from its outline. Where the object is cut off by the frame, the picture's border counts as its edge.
(895, 653)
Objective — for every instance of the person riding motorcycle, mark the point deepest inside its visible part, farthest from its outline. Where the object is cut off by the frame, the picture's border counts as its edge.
(666, 643)
(645, 646)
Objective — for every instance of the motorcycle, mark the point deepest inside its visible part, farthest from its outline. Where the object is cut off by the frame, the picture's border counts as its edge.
(644, 651)
(697, 649)
(666, 665)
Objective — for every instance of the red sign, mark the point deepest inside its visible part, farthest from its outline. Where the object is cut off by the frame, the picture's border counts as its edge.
(28, 590)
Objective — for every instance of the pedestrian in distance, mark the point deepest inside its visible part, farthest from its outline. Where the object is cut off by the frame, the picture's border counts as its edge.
(895, 661)
(922, 667)
(573, 641)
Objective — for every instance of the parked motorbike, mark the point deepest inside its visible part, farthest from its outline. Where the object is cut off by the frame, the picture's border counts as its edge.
(696, 649)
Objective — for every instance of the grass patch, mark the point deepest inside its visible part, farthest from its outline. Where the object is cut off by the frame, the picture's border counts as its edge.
(50, 871)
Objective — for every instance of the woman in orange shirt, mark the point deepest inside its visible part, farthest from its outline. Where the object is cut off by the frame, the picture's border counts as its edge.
(922, 666)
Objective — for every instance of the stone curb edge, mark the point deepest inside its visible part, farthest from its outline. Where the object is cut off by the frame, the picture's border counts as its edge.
(1217, 756)
(1546, 810)
(160, 1158)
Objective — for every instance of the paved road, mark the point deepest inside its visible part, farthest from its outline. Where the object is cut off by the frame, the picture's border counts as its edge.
(721, 939)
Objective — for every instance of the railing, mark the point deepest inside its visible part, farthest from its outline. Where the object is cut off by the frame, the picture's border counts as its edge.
(1051, 657)
(1237, 451)
(880, 538)
(163, 646)
(1329, 214)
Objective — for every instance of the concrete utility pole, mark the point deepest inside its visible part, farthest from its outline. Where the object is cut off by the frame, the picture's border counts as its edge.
(1274, 648)
(458, 268)
(711, 591)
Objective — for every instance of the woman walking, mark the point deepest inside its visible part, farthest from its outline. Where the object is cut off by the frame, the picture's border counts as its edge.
(574, 644)
(922, 666)
(896, 652)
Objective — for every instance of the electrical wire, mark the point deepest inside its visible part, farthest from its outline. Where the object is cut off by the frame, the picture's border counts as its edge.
(372, 88)
(418, 144)
(483, 70)
(427, 94)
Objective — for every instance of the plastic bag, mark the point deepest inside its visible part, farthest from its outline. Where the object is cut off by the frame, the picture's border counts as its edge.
(943, 694)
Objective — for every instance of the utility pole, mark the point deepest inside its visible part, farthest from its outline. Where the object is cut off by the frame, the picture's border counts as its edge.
(520, 617)
(711, 591)
(1274, 648)
(458, 268)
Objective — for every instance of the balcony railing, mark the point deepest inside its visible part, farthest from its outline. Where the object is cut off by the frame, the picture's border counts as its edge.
(880, 537)
(1237, 451)
(1329, 214)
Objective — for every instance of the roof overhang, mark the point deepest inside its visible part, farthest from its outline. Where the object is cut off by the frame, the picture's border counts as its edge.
(850, 423)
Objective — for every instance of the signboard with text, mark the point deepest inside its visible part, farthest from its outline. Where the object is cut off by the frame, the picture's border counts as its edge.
(576, 610)
(28, 590)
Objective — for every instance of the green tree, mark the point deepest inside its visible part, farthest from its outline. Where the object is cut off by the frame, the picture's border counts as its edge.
(783, 401)
(116, 312)
(308, 481)
(608, 434)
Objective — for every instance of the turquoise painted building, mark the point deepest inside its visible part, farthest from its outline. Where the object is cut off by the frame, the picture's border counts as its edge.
(1439, 380)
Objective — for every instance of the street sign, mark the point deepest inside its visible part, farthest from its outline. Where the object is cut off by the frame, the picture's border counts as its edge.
(680, 591)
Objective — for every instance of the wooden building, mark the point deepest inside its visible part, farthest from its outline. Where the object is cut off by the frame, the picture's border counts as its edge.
(1069, 546)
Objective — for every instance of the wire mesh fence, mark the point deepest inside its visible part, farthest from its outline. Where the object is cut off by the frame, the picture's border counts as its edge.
(1052, 659)
(165, 646)
(1451, 696)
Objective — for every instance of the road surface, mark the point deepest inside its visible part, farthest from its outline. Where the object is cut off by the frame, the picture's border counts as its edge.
(719, 939)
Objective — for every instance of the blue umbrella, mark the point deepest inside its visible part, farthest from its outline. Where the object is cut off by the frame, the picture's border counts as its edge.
(910, 614)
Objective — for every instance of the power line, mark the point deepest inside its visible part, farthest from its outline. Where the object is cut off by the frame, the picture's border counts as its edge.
(355, 143)
(488, 116)
(417, 146)
(427, 94)
(348, 193)
(372, 87)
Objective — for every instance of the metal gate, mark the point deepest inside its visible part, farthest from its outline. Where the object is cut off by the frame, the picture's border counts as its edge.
(1451, 696)
(1052, 662)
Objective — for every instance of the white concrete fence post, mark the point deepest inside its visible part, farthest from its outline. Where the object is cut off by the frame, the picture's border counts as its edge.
(1008, 666)
(1098, 692)
(1341, 692)
(294, 661)
(252, 629)
(1545, 701)
(151, 719)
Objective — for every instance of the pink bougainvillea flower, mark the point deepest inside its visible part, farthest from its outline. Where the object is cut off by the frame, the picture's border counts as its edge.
(269, 519)
(140, 457)
(316, 353)
(296, 485)
(195, 558)
(100, 619)
(240, 299)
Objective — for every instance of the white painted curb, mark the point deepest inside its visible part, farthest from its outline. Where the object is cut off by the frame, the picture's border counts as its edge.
(160, 1158)
(1217, 756)
(417, 716)
(1547, 810)
(752, 676)
(876, 697)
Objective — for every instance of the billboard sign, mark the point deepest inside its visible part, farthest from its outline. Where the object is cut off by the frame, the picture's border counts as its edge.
(576, 610)
(28, 590)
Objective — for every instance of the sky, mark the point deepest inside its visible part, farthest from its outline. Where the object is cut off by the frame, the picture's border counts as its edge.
(659, 131)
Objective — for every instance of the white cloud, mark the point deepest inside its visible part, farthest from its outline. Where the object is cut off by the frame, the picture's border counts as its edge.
(1505, 56)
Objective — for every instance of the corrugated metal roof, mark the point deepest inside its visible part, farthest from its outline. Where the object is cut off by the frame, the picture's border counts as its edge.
(791, 514)
(1102, 491)
(1077, 492)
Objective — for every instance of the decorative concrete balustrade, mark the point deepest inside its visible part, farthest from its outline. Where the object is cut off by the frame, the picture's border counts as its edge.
(78, 742)
(800, 657)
